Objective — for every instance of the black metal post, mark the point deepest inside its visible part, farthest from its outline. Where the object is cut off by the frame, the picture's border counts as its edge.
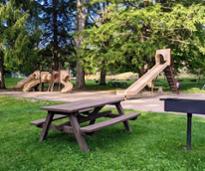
(189, 130)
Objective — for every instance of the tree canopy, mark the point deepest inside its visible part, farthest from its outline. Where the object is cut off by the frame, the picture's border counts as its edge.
(98, 35)
(129, 36)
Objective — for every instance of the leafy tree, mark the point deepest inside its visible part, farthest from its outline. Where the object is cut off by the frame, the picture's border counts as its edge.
(131, 35)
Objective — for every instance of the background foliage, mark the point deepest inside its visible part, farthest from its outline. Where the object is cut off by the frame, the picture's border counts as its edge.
(117, 36)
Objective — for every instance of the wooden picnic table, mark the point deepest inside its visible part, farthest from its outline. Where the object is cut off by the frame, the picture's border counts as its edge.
(83, 111)
(188, 106)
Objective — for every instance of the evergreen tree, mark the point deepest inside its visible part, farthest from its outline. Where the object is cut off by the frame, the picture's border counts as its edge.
(57, 19)
(13, 36)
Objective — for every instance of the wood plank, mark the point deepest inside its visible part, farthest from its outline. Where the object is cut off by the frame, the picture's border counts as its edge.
(121, 112)
(60, 128)
(46, 125)
(96, 110)
(100, 125)
(93, 116)
(86, 111)
(76, 131)
(40, 122)
(83, 104)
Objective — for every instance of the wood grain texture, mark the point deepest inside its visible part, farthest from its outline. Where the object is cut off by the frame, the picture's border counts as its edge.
(76, 130)
(46, 126)
(121, 112)
(100, 125)
(83, 104)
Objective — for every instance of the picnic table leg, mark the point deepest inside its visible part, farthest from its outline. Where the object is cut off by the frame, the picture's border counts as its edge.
(76, 130)
(96, 110)
(121, 112)
(189, 130)
(46, 126)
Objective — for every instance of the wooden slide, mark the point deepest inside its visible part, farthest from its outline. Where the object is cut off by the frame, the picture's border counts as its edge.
(68, 87)
(38, 77)
(163, 60)
(23, 82)
(30, 85)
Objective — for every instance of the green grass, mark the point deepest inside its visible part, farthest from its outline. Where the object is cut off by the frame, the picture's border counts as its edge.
(187, 85)
(111, 85)
(11, 82)
(156, 143)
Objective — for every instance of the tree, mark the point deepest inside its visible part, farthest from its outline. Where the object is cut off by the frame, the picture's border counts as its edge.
(131, 35)
(56, 21)
(13, 36)
(2, 80)
(81, 21)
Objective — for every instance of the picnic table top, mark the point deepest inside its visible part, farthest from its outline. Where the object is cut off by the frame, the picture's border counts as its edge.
(83, 104)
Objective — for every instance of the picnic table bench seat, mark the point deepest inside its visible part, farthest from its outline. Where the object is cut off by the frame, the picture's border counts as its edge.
(80, 112)
(40, 122)
(100, 125)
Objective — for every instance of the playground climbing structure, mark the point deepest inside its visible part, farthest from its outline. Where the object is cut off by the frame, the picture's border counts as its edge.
(37, 78)
(163, 62)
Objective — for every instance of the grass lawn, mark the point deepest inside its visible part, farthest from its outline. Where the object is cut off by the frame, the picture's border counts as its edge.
(11, 82)
(156, 143)
(187, 85)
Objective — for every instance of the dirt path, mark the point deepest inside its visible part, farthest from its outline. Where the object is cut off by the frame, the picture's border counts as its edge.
(148, 104)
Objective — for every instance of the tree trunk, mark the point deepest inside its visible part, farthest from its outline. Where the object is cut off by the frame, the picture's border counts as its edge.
(2, 80)
(146, 3)
(81, 19)
(55, 34)
(103, 77)
(80, 78)
(143, 70)
(103, 74)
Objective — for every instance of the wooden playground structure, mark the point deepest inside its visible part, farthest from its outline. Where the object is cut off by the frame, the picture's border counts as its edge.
(163, 62)
(39, 78)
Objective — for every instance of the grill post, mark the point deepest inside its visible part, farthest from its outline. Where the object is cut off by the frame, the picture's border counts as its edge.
(189, 130)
